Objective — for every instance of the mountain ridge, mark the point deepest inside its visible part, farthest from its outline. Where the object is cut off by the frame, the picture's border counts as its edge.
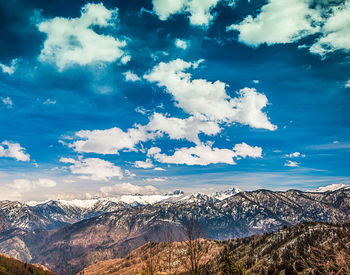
(68, 249)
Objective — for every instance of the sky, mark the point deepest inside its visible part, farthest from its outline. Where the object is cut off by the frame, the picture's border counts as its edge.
(114, 97)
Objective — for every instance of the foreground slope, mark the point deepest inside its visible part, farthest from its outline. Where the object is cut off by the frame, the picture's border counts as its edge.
(11, 266)
(310, 248)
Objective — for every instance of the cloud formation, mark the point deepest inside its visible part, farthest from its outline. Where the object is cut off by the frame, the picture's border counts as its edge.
(278, 22)
(181, 44)
(335, 32)
(9, 69)
(199, 10)
(126, 188)
(20, 187)
(295, 155)
(204, 154)
(74, 41)
(130, 76)
(111, 141)
(186, 129)
(93, 168)
(13, 150)
(208, 100)
(144, 164)
(7, 101)
(290, 163)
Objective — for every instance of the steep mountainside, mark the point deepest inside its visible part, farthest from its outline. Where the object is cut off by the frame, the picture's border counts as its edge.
(310, 248)
(11, 266)
(109, 235)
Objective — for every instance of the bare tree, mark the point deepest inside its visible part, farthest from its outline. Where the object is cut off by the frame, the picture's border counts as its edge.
(194, 245)
(151, 265)
(170, 251)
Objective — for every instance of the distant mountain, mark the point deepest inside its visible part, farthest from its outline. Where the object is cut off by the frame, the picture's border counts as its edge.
(11, 266)
(110, 229)
(53, 214)
(332, 187)
(310, 248)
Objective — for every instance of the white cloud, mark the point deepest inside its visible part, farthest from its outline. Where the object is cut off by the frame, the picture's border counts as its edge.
(181, 44)
(159, 169)
(278, 22)
(177, 128)
(73, 40)
(156, 179)
(128, 189)
(13, 150)
(204, 154)
(19, 187)
(335, 32)
(347, 84)
(93, 168)
(291, 163)
(295, 155)
(209, 100)
(199, 10)
(144, 164)
(244, 150)
(130, 76)
(7, 101)
(11, 68)
(109, 141)
(129, 173)
(49, 102)
(125, 59)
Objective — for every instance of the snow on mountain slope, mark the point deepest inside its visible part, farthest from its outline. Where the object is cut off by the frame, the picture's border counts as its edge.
(330, 188)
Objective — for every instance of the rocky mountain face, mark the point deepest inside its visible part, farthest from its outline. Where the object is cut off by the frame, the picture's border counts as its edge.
(112, 229)
(309, 248)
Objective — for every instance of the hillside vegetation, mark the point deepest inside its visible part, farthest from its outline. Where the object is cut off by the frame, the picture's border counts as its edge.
(309, 248)
(11, 266)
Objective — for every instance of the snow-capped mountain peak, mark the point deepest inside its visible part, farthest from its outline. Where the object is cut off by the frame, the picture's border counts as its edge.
(330, 188)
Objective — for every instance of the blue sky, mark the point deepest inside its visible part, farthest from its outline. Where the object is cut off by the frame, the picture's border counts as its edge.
(120, 97)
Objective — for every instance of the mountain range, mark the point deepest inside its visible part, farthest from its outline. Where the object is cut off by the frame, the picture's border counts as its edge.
(67, 236)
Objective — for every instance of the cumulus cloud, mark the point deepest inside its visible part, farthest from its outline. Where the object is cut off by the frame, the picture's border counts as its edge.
(73, 40)
(128, 189)
(144, 164)
(9, 69)
(199, 10)
(290, 163)
(181, 44)
(125, 59)
(244, 150)
(278, 22)
(209, 100)
(347, 84)
(204, 154)
(178, 128)
(111, 141)
(130, 76)
(295, 155)
(93, 168)
(21, 186)
(335, 32)
(13, 150)
(7, 101)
